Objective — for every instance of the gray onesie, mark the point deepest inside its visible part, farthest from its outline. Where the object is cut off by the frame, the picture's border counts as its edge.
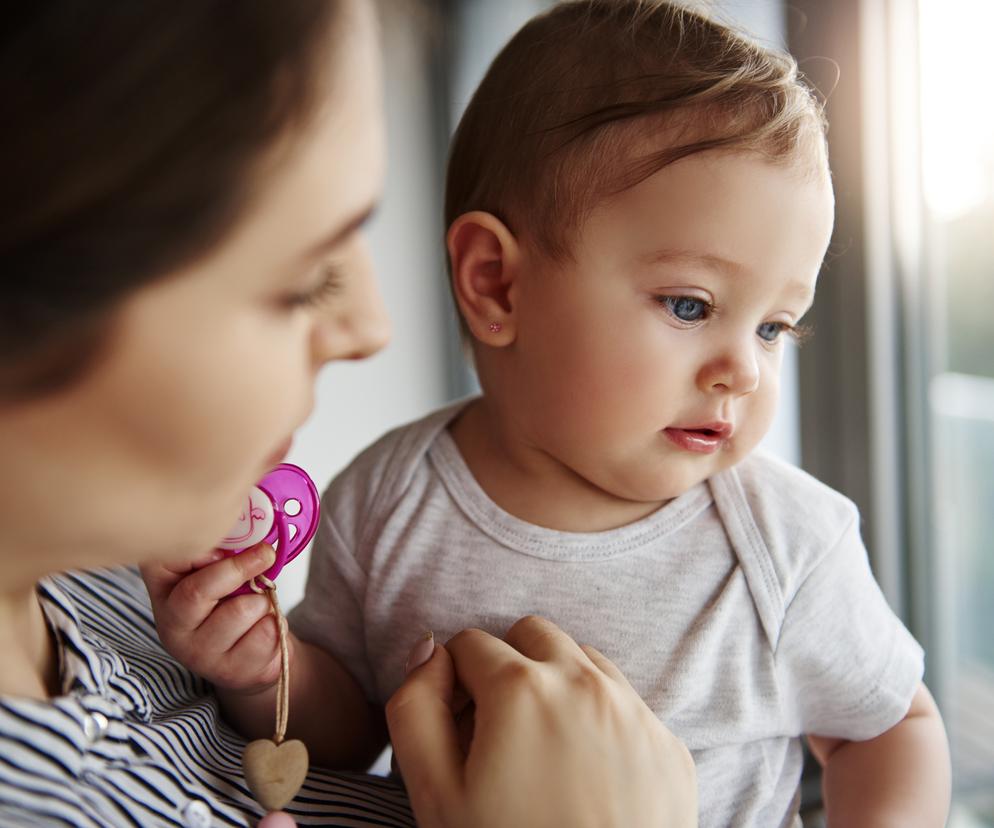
(744, 611)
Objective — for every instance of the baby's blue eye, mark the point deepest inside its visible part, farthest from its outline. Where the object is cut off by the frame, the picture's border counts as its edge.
(770, 331)
(686, 308)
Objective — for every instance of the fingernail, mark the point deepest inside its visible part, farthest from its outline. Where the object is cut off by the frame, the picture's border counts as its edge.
(267, 555)
(421, 652)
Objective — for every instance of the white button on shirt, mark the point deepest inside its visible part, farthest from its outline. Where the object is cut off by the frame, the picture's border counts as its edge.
(95, 726)
(197, 814)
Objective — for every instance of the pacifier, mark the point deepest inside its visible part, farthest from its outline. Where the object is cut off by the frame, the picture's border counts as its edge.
(282, 510)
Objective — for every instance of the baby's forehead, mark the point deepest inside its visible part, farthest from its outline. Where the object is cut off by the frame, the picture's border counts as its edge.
(605, 179)
(589, 176)
(716, 215)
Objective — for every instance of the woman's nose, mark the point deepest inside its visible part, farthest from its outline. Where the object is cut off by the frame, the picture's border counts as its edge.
(735, 370)
(356, 325)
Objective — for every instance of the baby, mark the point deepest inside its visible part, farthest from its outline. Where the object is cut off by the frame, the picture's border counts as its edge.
(638, 204)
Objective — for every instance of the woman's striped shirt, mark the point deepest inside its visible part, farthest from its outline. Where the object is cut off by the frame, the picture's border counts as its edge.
(138, 740)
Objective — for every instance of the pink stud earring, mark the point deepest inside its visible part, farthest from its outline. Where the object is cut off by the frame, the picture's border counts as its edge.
(495, 327)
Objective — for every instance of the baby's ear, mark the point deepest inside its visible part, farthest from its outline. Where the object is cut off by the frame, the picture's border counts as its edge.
(486, 259)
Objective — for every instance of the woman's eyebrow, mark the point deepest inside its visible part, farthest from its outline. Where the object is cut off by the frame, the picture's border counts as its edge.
(339, 235)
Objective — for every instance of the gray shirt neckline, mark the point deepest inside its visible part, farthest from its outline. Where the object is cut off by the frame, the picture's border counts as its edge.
(552, 544)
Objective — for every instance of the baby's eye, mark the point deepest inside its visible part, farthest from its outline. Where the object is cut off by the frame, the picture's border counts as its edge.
(686, 308)
(770, 331)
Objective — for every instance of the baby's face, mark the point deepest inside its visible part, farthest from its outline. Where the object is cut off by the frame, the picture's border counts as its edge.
(652, 360)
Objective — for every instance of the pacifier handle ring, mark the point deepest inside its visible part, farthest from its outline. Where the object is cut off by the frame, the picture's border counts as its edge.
(282, 543)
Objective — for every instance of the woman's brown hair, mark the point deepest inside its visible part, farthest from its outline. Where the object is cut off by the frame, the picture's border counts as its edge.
(133, 135)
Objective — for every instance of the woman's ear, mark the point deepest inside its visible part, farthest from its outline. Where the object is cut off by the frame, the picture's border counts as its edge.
(485, 259)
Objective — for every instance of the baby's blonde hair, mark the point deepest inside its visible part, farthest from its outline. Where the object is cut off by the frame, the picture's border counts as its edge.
(595, 96)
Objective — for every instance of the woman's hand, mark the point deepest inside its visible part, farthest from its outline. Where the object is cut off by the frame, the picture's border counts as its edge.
(560, 738)
(232, 643)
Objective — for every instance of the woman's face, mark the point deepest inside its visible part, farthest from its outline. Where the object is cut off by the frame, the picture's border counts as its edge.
(210, 371)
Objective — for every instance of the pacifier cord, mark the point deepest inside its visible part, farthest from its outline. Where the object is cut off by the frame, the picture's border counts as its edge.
(283, 685)
(275, 769)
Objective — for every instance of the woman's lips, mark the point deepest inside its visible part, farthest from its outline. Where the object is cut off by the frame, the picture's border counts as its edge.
(705, 440)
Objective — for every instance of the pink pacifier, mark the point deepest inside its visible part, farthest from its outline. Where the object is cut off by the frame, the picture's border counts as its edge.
(282, 510)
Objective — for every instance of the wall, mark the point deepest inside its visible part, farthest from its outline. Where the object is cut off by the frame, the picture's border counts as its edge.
(357, 402)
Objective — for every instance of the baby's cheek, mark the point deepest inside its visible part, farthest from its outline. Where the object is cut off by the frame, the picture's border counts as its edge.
(756, 415)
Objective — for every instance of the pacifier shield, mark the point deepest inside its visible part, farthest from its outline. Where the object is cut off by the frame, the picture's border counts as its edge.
(286, 504)
(254, 523)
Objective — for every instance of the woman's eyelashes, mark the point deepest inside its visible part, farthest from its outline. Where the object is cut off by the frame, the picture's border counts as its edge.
(330, 283)
(690, 310)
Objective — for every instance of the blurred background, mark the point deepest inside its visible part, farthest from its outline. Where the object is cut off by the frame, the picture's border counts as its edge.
(891, 402)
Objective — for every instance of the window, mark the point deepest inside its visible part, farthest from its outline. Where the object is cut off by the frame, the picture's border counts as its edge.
(957, 307)
(898, 383)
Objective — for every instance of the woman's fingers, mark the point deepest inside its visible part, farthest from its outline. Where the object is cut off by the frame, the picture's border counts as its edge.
(423, 733)
(540, 640)
(480, 658)
(604, 664)
(561, 738)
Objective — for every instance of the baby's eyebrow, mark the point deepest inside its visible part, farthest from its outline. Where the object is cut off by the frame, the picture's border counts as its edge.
(708, 260)
(802, 291)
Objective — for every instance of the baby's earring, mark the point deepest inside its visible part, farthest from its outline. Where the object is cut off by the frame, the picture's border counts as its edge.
(496, 327)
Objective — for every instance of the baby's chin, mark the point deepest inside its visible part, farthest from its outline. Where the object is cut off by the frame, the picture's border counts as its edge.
(679, 478)
(657, 490)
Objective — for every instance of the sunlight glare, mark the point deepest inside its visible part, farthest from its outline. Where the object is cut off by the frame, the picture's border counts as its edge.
(957, 118)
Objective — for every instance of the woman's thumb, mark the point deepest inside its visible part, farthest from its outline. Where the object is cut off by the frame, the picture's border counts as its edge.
(422, 727)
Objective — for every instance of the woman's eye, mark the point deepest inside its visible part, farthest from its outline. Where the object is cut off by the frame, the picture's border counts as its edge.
(328, 285)
(686, 308)
(770, 331)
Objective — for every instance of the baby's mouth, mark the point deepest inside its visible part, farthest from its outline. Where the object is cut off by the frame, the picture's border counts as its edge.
(704, 439)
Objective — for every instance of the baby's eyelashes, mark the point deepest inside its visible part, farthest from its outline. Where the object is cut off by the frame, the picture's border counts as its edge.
(770, 331)
(686, 308)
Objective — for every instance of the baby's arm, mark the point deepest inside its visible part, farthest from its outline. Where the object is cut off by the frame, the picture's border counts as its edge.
(328, 710)
(901, 778)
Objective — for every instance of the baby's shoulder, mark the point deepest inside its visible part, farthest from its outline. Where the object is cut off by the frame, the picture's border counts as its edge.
(799, 518)
(382, 471)
(780, 493)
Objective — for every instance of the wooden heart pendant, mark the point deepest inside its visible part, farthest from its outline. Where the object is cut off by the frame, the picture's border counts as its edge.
(275, 772)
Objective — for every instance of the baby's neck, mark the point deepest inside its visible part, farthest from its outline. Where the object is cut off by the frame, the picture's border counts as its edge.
(533, 487)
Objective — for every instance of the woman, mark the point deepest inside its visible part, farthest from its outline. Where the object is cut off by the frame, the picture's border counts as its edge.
(184, 188)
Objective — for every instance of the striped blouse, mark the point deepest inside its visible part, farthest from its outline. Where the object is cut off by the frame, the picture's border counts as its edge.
(136, 739)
